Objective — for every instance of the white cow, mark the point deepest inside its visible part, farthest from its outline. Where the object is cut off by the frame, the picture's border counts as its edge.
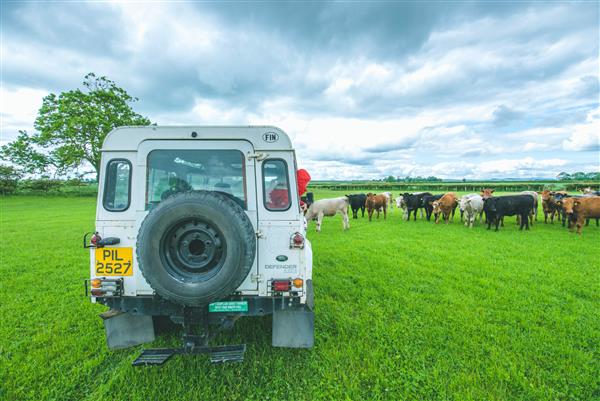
(329, 207)
(400, 205)
(390, 200)
(471, 205)
(535, 202)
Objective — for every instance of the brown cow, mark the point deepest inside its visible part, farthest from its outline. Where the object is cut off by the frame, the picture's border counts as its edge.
(446, 205)
(580, 209)
(487, 193)
(374, 203)
(551, 204)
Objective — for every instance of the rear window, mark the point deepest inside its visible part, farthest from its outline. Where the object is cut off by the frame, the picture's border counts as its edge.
(276, 185)
(117, 185)
(172, 171)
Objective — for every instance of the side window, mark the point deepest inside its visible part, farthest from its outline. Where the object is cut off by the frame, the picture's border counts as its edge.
(117, 182)
(276, 185)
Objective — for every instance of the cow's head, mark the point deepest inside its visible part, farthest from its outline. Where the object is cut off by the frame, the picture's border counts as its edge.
(546, 195)
(489, 205)
(567, 204)
(487, 193)
(436, 207)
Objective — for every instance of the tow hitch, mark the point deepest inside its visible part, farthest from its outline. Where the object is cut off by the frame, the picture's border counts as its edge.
(196, 344)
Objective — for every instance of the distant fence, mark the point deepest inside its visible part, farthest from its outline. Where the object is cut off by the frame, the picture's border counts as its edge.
(572, 186)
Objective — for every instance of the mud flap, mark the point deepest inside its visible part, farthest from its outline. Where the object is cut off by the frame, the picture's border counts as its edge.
(293, 328)
(124, 330)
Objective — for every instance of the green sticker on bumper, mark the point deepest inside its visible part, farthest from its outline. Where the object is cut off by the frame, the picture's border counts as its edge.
(231, 306)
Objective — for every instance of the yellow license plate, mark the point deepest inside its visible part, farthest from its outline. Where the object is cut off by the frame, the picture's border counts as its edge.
(114, 261)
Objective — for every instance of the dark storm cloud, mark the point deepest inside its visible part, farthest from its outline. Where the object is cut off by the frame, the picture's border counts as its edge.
(267, 51)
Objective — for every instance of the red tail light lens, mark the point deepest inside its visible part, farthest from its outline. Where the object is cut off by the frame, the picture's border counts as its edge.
(280, 285)
(297, 241)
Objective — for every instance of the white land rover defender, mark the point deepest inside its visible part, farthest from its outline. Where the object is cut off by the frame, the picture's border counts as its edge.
(200, 225)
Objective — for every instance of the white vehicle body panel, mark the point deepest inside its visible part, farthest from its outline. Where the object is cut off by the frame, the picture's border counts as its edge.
(274, 228)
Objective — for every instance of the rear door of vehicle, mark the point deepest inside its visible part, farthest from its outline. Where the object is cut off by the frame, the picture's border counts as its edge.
(191, 155)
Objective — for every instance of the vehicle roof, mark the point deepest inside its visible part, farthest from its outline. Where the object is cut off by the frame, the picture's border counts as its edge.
(129, 138)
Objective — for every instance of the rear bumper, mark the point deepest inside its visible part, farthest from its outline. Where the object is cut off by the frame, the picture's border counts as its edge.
(157, 306)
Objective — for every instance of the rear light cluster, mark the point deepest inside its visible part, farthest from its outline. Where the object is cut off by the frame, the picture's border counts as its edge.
(287, 285)
(297, 241)
(106, 287)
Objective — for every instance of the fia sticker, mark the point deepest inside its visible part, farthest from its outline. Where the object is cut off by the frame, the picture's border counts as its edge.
(270, 137)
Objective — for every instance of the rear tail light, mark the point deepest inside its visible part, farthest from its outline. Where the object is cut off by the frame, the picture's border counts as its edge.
(297, 241)
(280, 285)
(106, 287)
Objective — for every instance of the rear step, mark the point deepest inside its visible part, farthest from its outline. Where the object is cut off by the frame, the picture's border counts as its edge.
(227, 353)
(155, 356)
(220, 354)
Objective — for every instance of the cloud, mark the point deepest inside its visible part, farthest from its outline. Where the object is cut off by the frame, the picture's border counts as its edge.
(504, 115)
(585, 137)
(364, 90)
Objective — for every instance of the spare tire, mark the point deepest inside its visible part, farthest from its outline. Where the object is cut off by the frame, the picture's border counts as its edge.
(196, 247)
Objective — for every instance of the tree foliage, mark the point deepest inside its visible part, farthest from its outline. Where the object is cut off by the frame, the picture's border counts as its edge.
(9, 179)
(578, 176)
(71, 127)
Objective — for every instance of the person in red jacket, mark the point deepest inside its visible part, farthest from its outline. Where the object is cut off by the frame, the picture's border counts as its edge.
(278, 196)
(303, 178)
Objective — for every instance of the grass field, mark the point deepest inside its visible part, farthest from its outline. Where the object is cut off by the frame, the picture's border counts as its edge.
(404, 310)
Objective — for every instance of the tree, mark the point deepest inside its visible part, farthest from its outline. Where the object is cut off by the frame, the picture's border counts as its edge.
(9, 179)
(71, 127)
(562, 176)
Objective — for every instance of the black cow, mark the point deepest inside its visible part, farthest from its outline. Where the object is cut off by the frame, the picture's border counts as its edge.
(414, 202)
(357, 201)
(426, 204)
(513, 205)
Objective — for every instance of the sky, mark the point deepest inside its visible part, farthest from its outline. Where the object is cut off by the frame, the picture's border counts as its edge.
(365, 90)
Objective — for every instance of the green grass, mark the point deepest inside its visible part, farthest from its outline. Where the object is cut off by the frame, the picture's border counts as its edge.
(405, 310)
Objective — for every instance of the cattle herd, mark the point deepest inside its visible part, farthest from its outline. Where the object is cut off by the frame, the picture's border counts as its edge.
(577, 210)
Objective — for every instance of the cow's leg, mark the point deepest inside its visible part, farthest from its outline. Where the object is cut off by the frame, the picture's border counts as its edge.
(498, 220)
(363, 211)
(345, 219)
(370, 213)
(579, 223)
(587, 222)
(545, 217)
(384, 213)
(447, 217)
(377, 212)
(319, 221)
(597, 221)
